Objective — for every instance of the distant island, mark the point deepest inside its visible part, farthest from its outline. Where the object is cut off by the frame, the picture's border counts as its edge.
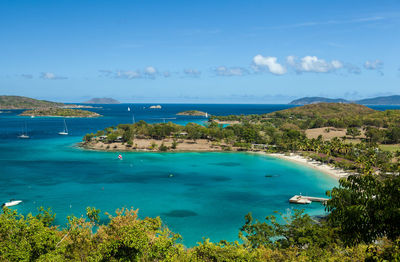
(104, 100)
(316, 99)
(21, 102)
(155, 107)
(60, 112)
(381, 100)
(192, 113)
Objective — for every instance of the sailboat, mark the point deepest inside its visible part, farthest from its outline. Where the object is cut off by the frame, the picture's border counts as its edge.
(206, 115)
(65, 132)
(129, 109)
(24, 132)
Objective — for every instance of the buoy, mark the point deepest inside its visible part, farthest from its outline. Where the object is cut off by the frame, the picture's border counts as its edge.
(120, 157)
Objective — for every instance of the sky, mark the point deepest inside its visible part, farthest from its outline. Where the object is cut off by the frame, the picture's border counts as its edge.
(199, 51)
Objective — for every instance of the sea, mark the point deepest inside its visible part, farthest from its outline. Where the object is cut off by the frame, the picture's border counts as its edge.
(198, 195)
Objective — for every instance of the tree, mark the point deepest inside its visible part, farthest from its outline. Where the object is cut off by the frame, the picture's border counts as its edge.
(353, 132)
(365, 208)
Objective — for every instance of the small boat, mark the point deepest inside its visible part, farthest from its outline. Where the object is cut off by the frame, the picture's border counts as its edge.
(11, 203)
(206, 115)
(129, 109)
(65, 132)
(24, 134)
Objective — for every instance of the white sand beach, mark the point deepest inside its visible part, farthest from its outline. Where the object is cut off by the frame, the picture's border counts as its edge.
(327, 169)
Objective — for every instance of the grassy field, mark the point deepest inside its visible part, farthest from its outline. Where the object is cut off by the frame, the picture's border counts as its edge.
(391, 148)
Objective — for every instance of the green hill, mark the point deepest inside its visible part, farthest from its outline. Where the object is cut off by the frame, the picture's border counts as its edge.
(325, 110)
(21, 102)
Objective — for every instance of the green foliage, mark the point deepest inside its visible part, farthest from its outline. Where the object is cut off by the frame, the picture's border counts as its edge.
(93, 214)
(56, 111)
(353, 131)
(163, 148)
(366, 207)
(88, 137)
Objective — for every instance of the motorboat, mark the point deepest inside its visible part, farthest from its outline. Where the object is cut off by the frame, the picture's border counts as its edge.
(11, 203)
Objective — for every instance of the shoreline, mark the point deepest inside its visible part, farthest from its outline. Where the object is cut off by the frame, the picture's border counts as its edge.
(295, 158)
(324, 168)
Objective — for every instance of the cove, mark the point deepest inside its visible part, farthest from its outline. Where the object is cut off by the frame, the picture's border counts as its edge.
(207, 195)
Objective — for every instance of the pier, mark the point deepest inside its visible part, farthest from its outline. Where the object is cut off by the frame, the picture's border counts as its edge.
(299, 199)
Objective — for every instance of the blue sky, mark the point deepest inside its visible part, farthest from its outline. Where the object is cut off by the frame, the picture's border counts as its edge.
(199, 51)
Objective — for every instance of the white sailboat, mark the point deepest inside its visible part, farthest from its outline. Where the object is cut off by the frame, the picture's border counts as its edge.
(24, 134)
(129, 109)
(206, 115)
(65, 132)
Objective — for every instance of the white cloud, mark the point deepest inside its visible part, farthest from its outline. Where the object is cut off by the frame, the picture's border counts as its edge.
(313, 64)
(270, 63)
(192, 72)
(373, 65)
(150, 70)
(51, 76)
(229, 71)
(127, 74)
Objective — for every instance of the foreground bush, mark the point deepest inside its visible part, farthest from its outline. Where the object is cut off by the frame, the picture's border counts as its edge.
(128, 238)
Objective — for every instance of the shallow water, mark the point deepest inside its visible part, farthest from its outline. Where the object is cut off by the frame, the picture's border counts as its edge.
(196, 194)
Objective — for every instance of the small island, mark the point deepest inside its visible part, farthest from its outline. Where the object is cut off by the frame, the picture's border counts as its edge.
(59, 112)
(155, 107)
(192, 113)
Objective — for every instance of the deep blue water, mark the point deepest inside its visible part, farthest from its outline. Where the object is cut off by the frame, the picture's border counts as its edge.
(207, 196)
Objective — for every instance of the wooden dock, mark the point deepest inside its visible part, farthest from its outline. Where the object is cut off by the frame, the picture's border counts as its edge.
(299, 199)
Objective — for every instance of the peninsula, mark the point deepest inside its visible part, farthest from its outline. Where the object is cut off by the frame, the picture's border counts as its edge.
(59, 112)
(333, 133)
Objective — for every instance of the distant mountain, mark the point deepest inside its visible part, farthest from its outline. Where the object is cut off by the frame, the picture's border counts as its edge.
(21, 102)
(104, 100)
(316, 99)
(382, 100)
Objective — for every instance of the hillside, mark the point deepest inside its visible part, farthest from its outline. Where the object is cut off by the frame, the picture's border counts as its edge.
(104, 100)
(382, 100)
(21, 102)
(324, 110)
(62, 112)
(316, 99)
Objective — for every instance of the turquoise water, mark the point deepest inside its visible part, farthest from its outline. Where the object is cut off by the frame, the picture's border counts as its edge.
(207, 195)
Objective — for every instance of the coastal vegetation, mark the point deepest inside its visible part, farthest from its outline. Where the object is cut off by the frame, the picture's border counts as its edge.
(61, 112)
(192, 113)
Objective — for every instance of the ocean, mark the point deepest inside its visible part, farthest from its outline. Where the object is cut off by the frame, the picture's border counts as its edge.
(196, 194)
